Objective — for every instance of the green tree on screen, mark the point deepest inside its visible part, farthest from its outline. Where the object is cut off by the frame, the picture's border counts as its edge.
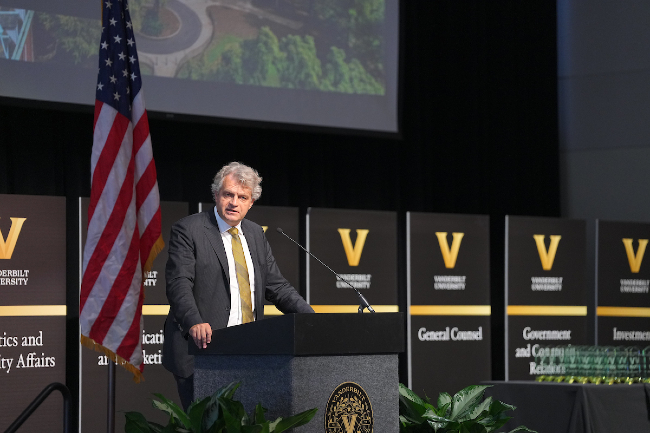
(230, 68)
(301, 67)
(77, 36)
(291, 62)
(351, 77)
(358, 26)
(139, 9)
(362, 81)
(262, 59)
(337, 72)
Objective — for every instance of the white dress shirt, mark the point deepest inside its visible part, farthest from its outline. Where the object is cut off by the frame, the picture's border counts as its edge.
(235, 317)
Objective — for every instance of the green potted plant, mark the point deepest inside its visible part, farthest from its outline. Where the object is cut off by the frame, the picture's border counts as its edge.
(465, 412)
(219, 413)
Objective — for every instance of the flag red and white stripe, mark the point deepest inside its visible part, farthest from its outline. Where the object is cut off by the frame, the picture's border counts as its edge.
(124, 225)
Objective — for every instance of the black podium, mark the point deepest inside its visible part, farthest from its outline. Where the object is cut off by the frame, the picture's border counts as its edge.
(343, 364)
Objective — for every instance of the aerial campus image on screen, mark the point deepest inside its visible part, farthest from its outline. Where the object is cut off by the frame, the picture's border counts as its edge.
(325, 45)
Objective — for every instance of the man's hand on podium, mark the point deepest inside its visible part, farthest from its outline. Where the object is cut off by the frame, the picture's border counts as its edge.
(202, 334)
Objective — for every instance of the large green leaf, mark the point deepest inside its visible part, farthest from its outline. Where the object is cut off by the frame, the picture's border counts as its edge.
(444, 399)
(296, 420)
(497, 416)
(228, 391)
(434, 425)
(481, 410)
(465, 400)
(444, 410)
(499, 407)
(233, 412)
(212, 416)
(408, 395)
(234, 408)
(172, 409)
(136, 423)
(432, 416)
(412, 406)
(195, 413)
(211, 413)
(437, 423)
(259, 416)
(494, 423)
(452, 426)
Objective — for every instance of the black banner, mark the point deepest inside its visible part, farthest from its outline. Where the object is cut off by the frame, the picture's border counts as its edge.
(32, 306)
(623, 280)
(545, 283)
(449, 291)
(361, 246)
(129, 395)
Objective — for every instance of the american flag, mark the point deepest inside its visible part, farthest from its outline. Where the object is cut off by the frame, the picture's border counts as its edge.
(124, 231)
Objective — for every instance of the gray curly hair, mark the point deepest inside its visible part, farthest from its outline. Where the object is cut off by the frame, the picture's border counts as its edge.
(246, 175)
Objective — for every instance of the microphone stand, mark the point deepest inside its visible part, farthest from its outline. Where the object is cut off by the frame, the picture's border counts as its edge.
(363, 304)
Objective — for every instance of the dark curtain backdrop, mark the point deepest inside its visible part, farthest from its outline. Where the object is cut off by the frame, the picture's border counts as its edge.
(478, 135)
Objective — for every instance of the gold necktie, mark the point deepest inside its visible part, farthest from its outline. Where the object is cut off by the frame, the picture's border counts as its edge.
(242, 277)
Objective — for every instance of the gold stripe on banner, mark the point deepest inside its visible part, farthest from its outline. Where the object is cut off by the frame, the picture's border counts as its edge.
(353, 308)
(155, 310)
(547, 310)
(271, 310)
(32, 310)
(623, 311)
(451, 310)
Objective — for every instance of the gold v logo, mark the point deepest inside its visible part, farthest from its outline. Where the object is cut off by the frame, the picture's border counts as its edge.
(449, 256)
(547, 258)
(635, 259)
(7, 247)
(353, 253)
(349, 422)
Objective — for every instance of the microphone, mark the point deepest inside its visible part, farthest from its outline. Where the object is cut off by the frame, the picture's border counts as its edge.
(363, 303)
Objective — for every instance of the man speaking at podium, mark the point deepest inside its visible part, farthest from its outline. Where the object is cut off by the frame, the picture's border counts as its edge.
(220, 270)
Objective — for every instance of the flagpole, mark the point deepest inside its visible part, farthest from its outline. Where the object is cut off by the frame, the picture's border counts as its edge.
(110, 420)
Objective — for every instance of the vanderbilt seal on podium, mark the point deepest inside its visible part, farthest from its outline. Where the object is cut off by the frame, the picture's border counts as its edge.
(348, 410)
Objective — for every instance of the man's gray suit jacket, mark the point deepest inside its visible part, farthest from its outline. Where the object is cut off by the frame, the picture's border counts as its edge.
(198, 283)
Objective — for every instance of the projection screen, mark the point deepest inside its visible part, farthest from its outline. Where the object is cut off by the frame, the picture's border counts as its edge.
(327, 63)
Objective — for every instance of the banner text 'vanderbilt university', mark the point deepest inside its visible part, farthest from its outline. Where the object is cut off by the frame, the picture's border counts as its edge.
(353, 255)
(12, 277)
